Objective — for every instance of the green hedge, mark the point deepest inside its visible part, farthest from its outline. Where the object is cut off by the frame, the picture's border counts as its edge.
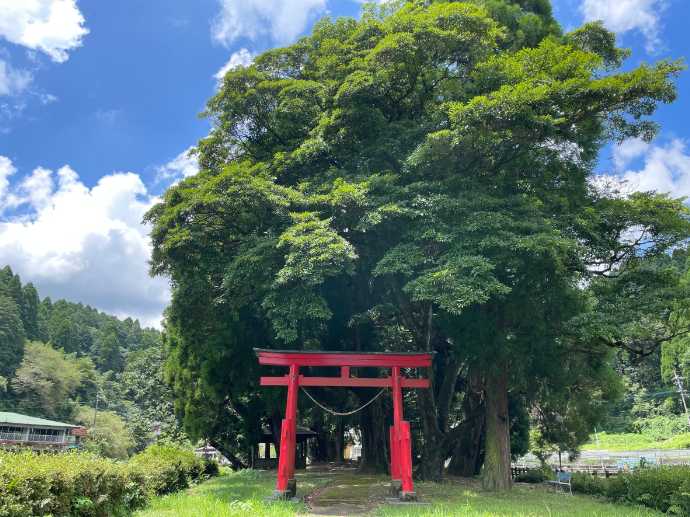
(85, 485)
(167, 468)
(664, 488)
(537, 475)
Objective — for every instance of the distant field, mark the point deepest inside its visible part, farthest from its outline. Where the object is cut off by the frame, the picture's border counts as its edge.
(636, 442)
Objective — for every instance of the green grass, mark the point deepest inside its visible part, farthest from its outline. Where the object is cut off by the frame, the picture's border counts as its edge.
(244, 494)
(231, 495)
(465, 499)
(636, 442)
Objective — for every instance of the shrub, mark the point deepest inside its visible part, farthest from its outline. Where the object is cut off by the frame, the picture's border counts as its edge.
(65, 484)
(534, 476)
(661, 427)
(664, 488)
(169, 468)
(211, 468)
(588, 484)
(84, 485)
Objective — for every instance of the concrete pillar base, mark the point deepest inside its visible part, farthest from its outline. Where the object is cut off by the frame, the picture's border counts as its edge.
(289, 493)
(396, 487)
(408, 496)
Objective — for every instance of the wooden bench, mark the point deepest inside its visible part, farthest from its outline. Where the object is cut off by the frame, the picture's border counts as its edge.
(563, 479)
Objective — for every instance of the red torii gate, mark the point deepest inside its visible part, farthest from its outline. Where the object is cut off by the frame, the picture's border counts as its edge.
(400, 439)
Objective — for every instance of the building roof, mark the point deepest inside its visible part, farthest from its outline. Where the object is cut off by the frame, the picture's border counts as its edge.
(301, 432)
(17, 419)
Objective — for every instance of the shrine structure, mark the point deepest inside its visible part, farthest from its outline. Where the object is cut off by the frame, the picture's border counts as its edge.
(400, 438)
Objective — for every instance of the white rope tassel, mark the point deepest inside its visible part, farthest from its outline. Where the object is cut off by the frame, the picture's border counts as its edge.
(338, 413)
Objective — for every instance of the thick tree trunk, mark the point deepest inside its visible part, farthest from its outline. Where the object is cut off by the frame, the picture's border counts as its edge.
(434, 453)
(468, 450)
(373, 423)
(434, 408)
(496, 470)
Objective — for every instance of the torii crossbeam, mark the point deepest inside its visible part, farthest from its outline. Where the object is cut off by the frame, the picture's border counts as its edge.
(400, 439)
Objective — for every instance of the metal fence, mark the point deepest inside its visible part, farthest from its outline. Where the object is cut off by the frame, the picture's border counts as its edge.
(593, 470)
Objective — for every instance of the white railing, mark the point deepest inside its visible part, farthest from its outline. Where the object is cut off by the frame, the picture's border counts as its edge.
(46, 438)
(31, 437)
(12, 436)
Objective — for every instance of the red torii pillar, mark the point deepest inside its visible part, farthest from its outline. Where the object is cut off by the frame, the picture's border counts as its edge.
(400, 437)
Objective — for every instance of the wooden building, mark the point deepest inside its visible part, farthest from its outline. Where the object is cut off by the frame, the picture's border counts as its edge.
(25, 431)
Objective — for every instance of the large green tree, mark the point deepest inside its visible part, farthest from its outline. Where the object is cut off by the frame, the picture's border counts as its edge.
(47, 379)
(418, 179)
(11, 336)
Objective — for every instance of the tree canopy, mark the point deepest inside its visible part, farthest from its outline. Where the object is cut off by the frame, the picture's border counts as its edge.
(418, 179)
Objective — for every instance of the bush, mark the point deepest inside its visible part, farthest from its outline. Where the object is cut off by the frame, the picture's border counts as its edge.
(169, 468)
(84, 485)
(211, 468)
(66, 484)
(661, 427)
(535, 476)
(664, 488)
(588, 484)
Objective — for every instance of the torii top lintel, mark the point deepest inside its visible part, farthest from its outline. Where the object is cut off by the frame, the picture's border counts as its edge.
(358, 359)
(393, 360)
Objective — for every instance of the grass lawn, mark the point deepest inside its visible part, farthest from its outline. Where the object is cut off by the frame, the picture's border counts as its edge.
(466, 499)
(636, 442)
(244, 493)
(233, 494)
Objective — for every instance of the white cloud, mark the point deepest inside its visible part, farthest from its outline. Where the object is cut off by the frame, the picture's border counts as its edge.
(6, 170)
(51, 26)
(665, 169)
(35, 190)
(623, 16)
(13, 81)
(627, 151)
(83, 244)
(183, 165)
(282, 20)
(240, 58)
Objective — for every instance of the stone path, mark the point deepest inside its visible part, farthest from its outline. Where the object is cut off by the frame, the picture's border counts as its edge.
(348, 493)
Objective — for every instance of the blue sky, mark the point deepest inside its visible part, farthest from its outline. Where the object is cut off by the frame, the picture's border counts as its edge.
(99, 102)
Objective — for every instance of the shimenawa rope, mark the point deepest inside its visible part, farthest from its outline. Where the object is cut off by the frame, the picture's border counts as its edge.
(338, 413)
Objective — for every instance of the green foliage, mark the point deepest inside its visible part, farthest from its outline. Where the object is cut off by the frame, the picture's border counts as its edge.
(588, 484)
(67, 484)
(663, 488)
(47, 379)
(11, 336)
(87, 355)
(149, 399)
(108, 436)
(169, 468)
(85, 485)
(419, 179)
(662, 427)
(535, 475)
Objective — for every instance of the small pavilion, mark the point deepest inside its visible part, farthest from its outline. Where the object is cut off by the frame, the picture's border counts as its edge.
(266, 457)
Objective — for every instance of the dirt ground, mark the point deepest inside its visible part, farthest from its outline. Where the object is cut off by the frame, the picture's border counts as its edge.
(348, 493)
